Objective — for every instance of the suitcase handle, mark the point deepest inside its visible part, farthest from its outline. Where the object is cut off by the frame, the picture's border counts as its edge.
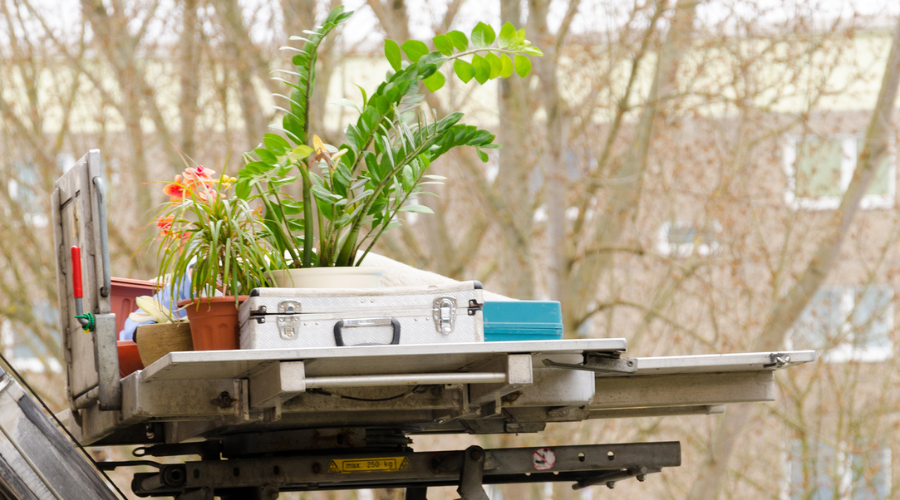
(354, 323)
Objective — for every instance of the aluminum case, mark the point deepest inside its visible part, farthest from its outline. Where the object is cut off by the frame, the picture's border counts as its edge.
(273, 318)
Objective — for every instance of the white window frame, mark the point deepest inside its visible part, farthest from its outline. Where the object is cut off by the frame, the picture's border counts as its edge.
(850, 155)
(30, 364)
(683, 250)
(846, 351)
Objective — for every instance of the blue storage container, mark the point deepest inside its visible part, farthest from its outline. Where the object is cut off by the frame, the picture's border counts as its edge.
(522, 320)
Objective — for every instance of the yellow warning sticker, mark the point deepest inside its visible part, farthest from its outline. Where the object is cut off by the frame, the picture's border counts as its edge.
(383, 464)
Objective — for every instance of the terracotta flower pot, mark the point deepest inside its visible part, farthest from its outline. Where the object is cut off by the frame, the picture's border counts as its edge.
(129, 359)
(214, 323)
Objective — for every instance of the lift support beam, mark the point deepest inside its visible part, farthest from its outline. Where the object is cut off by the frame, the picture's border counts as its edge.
(264, 477)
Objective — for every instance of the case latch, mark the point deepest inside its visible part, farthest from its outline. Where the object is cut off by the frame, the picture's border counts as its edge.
(444, 313)
(288, 326)
(289, 307)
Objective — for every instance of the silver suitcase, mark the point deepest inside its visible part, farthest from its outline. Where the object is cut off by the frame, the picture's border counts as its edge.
(278, 318)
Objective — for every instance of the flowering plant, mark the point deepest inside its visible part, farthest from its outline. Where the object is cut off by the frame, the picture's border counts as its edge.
(352, 194)
(207, 231)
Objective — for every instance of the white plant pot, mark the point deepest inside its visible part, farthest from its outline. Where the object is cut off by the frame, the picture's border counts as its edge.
(328, 277)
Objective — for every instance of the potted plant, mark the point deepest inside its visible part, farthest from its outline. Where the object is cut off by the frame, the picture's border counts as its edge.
(211, 238)
(352, 194)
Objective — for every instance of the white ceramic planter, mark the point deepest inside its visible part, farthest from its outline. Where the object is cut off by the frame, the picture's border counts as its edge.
(329, 277)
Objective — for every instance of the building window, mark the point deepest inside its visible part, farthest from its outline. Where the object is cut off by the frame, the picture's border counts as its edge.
(684, 239)
(23, 346)
(848, 324)
(22, 189)
(820, 471)
(820, 169)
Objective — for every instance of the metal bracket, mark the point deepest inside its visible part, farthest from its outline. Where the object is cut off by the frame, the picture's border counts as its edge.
(610, 478)
(599, 364)
(443, 310)
(287, 307)
(288, 326)
(779, 360)
(472, 476)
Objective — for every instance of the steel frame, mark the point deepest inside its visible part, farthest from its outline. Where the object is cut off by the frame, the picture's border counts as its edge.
(264, 477)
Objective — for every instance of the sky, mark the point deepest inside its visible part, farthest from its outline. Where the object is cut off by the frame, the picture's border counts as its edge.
(361, 32)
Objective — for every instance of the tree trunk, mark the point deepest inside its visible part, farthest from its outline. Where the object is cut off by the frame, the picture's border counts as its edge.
(189, 79)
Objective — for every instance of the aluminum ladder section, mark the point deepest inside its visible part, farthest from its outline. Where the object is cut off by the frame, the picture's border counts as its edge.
(78, 211)
(36, 460)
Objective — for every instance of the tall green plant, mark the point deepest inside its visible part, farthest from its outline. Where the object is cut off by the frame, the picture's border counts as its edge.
(352, 194)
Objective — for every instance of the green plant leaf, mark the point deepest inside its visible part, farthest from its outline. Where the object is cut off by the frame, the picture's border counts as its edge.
(435, 81)
(392, 53)
(444, 44)
(414, 49)
(459, 40)
(482, 69)
(407, 178)
(325, 195)
(265, 156)
(482, 155)
(532, 51)
(523, 66)
(300, 152)
(276, 183)
(242, 188)
(496, 65)
(520, 36)
(463, 70)
(482, 36)
(506, 66)
(507, 36)
(353, 138)
(418, 209)
(276, 144)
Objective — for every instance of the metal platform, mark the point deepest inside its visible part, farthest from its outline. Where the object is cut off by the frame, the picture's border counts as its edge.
(472, 388)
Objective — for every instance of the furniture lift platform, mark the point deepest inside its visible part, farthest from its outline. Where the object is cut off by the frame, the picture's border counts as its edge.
(340, 418)
(264, 421)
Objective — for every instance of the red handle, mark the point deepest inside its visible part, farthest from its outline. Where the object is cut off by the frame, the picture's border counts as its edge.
(76, 272)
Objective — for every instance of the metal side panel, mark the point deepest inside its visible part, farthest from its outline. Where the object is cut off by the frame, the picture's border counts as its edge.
(36, 460)
(685, 389)
(703, 380)
(363, 360)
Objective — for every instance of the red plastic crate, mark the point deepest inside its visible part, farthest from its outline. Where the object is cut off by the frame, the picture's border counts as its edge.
(122, 298)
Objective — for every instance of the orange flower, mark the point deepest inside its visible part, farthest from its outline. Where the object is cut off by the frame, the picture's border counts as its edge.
(165, 226)
(175, 190)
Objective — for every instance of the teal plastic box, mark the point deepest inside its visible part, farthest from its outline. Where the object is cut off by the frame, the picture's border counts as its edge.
(522, 320)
